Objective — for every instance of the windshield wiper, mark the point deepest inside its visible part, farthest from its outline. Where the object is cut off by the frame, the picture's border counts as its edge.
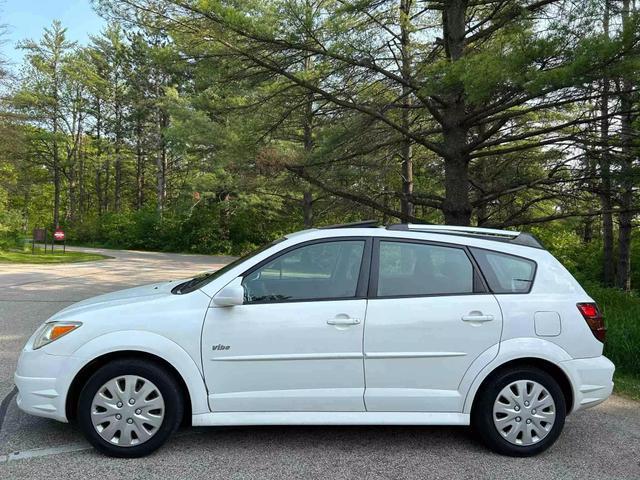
(190, 284)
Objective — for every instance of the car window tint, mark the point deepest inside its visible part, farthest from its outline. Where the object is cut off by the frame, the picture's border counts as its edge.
(505, 273)
(326, 270)
(421, 269)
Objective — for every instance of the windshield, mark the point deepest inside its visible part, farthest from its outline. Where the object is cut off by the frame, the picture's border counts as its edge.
(202, 279)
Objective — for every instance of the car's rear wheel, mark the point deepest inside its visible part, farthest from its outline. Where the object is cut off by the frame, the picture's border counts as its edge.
(129, 408)
(519, 412)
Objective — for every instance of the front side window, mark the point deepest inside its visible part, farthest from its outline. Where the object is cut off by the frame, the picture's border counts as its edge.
(328, 270)
(505, 273)
(412, 269)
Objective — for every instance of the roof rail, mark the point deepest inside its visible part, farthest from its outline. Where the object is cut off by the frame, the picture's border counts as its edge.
(519, 238)
(456, 229)
(361, 224)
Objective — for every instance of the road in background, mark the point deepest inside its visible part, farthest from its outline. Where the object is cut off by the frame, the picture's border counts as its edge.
(600, 443)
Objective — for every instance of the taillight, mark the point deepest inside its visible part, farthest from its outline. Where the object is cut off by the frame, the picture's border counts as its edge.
(593, 317)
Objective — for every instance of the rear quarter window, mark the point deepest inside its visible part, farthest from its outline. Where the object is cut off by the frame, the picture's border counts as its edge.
(505, 273)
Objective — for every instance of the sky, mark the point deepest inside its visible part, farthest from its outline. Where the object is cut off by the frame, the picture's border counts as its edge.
(27, 18)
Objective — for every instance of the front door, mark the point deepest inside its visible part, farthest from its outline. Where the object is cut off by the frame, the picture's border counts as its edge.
(296, 343)
(428, 319)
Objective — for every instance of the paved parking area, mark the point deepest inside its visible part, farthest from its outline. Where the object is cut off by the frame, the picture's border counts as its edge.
(600, 443)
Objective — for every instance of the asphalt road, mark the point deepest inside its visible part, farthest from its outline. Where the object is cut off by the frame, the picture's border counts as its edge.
(600, 443)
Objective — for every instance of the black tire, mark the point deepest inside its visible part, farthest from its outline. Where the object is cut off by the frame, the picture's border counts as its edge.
(482, 412)
(163, 380)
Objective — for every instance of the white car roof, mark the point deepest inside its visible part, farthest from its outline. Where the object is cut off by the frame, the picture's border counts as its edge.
(507, 241)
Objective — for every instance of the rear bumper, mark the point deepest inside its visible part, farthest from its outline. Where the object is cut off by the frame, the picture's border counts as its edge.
(591, 380)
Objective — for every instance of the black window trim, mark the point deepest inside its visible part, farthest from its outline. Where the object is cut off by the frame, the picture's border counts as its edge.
(363, 278)
(533, 277)
(480, 286)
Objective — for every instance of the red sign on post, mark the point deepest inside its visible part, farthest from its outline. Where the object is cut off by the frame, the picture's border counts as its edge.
(58, 235)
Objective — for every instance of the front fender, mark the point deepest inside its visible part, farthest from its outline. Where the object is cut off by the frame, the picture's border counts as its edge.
(154, 344)
(509, 350)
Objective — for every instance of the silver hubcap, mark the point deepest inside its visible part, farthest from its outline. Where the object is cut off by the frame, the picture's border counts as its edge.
(127, 410)
(524, 412)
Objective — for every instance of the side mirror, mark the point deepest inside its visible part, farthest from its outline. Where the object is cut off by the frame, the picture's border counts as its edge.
(232, 294)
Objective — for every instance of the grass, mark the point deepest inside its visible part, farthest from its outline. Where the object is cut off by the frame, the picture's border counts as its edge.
(39, 257)
(627, 385)
(622, 316)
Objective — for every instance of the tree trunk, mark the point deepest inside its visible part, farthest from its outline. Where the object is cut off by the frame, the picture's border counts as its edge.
(587, 230)
(117, 189)
(56, 186)
(608, 266)
(406, 205)
(139, 167)
(161, 165)
(82, 191)
(625, 227)
(160, 180)
(72, 192)
(98, 180)
(225, 216)
(624, 250)
(106, 168)
(308, 141)
(117, 180)
(56, 161)
(456, 206)
(623, 277)
(307, 208)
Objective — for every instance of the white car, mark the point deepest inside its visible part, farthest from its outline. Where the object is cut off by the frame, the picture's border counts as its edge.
(349, 325)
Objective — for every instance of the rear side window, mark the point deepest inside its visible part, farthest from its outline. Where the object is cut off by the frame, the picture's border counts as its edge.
(414, 269)
(505, 273)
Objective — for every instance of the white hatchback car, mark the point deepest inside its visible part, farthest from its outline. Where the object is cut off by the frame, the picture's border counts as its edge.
(403, 325)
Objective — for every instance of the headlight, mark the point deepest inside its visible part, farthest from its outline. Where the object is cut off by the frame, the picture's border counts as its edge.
(53, 331)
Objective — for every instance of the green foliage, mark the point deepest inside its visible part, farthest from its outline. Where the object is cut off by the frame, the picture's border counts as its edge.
(583, 260)
(622, 316)
(233, 227)
(11, 235)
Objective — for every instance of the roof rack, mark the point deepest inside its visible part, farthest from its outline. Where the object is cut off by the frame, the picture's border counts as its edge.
(361, 224)
(519, 238)
(455, 229)
(509, 236)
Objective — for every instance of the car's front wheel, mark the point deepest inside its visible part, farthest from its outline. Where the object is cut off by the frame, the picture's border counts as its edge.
(519, 412)
(129, 408)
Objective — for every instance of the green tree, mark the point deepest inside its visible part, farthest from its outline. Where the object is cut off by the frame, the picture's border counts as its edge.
(47, 97)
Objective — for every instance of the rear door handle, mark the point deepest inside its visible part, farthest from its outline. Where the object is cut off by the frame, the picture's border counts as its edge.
(343, 321)
(477, 318)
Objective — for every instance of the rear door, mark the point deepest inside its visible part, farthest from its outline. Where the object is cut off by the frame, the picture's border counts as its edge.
(429, 317)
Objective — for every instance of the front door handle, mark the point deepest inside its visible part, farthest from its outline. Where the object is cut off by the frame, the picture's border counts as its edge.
(343, 321)
(477, 317)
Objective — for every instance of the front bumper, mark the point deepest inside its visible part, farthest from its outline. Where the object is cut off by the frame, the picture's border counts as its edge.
(43, 381)
(591, 379)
